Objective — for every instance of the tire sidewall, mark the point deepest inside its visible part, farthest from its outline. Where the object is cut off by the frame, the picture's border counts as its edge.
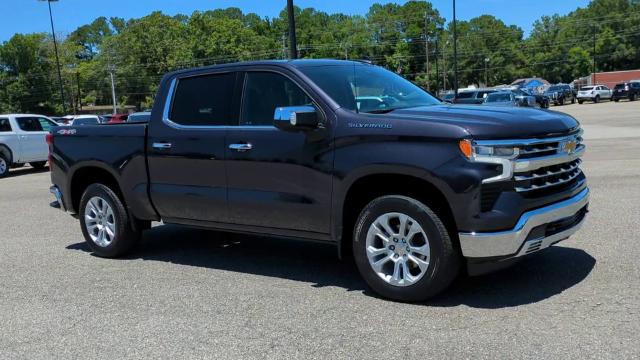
(7, 166)
(123, 235)
(439, 244)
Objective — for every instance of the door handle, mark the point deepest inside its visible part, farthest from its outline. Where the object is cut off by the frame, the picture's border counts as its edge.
(241, 147)
(161, 145)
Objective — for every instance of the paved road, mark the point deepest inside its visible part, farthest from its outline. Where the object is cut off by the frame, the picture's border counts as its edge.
(195, 294)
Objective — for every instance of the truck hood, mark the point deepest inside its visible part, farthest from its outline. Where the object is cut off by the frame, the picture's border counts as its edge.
(492, 122)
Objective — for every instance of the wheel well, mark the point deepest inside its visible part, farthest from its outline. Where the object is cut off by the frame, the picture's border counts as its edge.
(4, 149)
(365, 189)
(84, 177)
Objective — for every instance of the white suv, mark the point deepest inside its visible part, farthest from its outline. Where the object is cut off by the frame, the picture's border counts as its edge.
(594, 93)
(23, 140)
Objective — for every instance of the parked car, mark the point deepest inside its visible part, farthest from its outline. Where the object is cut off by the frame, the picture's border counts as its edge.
(118, 118)
(22, 140)
(594, 93)
(63, 120)
(541, 100)
(142, 116)
(630, 90)
(472, 96)
(281, 148)
(560, 94)
(509, 98)
(86, 120)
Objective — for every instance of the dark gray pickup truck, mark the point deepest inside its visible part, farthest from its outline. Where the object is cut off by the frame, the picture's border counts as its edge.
(336, 151)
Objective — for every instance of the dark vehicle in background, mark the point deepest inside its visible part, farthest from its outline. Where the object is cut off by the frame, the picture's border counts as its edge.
(541, 100)
(560, 94)
(448, 97)
(509, 98)
(85, 120)
(630, 90)
(416, 190)
(472, 96)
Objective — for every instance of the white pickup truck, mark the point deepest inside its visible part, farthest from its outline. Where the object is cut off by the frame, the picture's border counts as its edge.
(23, 140)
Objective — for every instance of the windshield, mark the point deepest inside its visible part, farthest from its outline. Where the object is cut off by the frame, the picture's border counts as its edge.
(555, 88)
(498, 97)
(367, 88)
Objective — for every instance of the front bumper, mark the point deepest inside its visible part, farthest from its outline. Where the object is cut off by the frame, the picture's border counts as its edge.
(535, 230)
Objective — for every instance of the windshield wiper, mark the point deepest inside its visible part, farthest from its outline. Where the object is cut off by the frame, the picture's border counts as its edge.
(387, 110)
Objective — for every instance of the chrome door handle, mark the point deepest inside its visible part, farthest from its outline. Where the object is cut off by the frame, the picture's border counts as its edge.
(161, 145)
(241, 147)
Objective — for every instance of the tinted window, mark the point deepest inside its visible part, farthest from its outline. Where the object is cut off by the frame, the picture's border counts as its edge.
(264, 92)
(139, 117)
(499, 97)
(29, 124)
(482, 94)
(5, 126)
(204, 100)
(465, 95)
(635, 85)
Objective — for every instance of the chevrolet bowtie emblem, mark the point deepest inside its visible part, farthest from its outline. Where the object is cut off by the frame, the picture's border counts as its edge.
(569, 146)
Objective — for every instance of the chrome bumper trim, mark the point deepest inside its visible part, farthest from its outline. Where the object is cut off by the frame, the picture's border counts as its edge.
(504, 243)
(58, 195)
(526, 165)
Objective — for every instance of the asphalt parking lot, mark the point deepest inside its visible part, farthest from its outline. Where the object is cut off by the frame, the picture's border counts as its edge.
(189, 293)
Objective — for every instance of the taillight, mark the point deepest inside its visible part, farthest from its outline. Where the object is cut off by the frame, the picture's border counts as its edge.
(49, 138)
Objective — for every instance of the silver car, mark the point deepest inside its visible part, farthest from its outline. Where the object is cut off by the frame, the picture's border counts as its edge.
(594, 93)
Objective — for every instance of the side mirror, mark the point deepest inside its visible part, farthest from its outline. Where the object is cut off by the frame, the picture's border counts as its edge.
(296, 118)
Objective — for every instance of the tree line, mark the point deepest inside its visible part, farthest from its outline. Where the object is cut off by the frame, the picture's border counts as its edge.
(412, 39)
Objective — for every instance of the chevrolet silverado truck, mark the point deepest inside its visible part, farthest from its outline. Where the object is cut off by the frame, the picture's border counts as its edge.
(345, 152)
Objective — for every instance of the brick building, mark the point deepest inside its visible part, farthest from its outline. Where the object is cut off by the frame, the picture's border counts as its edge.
(609, 79)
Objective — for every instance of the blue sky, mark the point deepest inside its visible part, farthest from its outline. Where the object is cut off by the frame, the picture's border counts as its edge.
(27, 16)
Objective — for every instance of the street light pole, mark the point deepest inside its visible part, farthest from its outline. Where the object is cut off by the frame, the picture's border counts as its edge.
(455, 53)
(486, 60)
(426, 50)
(55, 46)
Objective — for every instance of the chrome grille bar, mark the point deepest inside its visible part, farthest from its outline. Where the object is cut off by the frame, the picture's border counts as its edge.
(570, 176)
(563, 169)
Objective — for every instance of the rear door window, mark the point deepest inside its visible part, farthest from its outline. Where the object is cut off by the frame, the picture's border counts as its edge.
(29, 124)
(46, 124)
(5, 126)
(465, 95)
(205, 100)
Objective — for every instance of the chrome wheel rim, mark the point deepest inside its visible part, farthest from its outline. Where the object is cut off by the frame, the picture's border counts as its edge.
(3, 166)
(100, 221)
(398, 249)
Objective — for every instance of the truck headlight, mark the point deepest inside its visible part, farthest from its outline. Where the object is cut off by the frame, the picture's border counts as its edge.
(493, 154)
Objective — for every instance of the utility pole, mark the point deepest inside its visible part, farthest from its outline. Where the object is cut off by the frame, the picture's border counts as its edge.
(444, 66)
(426, 49)
(293, 44)
(113, 91)
(594, 54)
(455, 53)
(435, 55)
(55, 47)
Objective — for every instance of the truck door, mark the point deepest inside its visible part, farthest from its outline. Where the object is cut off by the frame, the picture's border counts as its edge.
(31, 134)
(186, 148)
(277, 179)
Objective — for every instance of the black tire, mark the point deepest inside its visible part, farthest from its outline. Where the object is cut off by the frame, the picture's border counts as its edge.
(580, 102)
(124, 239)
(4, 165)
(616, 99)
(38, 164)
(573, 100)
(561, 101)
(632, 97)
(596, 99)
(444, 260)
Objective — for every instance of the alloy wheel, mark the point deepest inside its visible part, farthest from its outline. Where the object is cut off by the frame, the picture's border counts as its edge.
(100, 221)
(398, 249)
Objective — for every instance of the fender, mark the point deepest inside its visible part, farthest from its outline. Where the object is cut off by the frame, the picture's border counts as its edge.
(7, 149)
(342, 187)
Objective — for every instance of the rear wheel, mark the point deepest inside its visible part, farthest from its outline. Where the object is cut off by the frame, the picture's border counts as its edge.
(105, 223)
(38, 164)
(580, 102)
(596, 99)
(403, 250)
(573, 100)
(632, 97)
(4, 165)
(561, 101)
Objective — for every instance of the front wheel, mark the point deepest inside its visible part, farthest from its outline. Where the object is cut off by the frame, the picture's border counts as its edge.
(105, 223)
(561, 101)
(580, 102)
(597, 99)
(403, 250)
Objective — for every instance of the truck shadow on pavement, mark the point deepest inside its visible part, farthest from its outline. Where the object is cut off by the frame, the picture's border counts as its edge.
(534, 279)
